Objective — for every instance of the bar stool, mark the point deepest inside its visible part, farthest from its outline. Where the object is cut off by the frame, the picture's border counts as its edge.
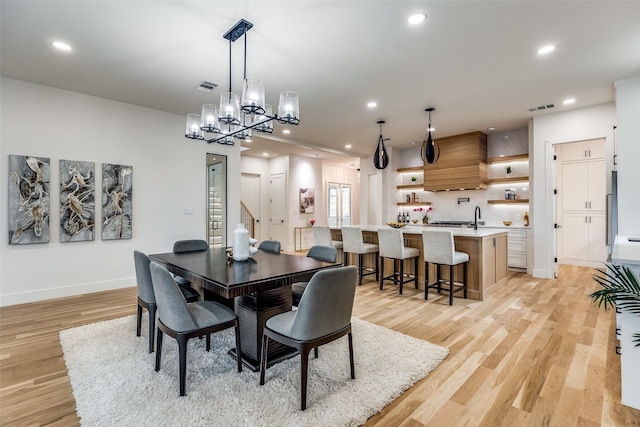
(353, 243)
(392, 246)
(439, 249)
(322, 237)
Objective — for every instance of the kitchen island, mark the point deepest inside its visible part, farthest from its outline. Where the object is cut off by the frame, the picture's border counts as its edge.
(487, 249)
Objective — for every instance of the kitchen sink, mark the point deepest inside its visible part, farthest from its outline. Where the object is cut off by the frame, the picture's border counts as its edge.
(461, 224)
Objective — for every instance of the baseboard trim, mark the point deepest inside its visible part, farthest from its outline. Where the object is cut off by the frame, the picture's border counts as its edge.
(64, 291)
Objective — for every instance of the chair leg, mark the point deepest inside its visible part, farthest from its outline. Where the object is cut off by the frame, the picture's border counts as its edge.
(345, 258)
(353, 369)
(401, 274)
(381, 272)
(451, 284)
(139, 321)
(182, 360)
(238, 346)
(158, 349)
(438, 276)
(263, 357)
(152, 324)
(376, 266)
(360, 269)
(464, 279)
(426, 280)
(315, 352)
(304, 367)
(208, 342)
(415, 272)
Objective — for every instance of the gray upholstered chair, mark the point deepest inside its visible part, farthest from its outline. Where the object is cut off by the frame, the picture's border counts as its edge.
(322, 237)
(324, 315)
(146, 296)
(391, 243)
(192, 245)
(183, 321)
(322, 253)
(353, 243)
(439, 248)
(272, 246)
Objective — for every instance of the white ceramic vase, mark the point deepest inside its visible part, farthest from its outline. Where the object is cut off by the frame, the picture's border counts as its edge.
(242, 249)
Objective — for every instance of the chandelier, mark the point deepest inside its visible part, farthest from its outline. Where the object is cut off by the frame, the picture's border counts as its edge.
(235, 116)
(430, 151)
(381, 157)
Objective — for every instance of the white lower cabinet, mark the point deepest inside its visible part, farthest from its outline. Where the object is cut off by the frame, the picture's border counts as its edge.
(517, 249)
(583, 238)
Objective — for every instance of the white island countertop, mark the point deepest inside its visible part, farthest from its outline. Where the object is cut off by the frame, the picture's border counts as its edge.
(457, 231)
(626, 249)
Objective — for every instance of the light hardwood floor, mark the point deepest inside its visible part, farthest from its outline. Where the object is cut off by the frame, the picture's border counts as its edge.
(536, 353)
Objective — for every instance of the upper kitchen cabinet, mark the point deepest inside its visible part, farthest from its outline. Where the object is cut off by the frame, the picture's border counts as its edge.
(462, 164)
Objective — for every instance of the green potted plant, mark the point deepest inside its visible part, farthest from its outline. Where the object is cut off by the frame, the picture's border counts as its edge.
(413, 179)
(620, 287)
(508, 171)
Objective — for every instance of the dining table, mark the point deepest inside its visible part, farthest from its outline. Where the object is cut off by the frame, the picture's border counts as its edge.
(257, 289)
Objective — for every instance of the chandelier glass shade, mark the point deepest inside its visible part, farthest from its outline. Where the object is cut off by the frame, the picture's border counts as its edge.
(430, 151)
(236, 116)
(381, 157)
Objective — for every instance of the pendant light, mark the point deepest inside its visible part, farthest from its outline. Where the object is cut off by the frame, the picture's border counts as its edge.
(430, 150)
(381, 157)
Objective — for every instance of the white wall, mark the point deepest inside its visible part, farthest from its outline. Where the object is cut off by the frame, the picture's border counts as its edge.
(548, 130)
(169, 174)
(628, 150)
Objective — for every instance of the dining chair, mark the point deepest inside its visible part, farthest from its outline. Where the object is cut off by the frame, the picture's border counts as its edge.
(391, 242)
(272, 246)
(322, 253)
(191, 245)
(146, 296)
(183, 321)
(354, 243)
(323, 316)
(439, 249)
(322, 237)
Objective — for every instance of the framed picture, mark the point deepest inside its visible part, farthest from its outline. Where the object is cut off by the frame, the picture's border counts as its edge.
(77, 201)
(116, 201)
(28, 200)
(307, 200)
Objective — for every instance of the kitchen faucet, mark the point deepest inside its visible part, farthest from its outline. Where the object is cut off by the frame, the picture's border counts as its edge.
(476, 216)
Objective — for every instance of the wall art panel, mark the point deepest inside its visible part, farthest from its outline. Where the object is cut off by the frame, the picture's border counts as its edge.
(77, 201)
(116, 201)
(307, 200)
(28, 199)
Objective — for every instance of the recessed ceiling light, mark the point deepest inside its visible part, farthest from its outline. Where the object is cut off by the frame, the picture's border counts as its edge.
(546, 49)
(372, 104)
(60, 45)
(491, 128)
(287, 131)
(347, 146)
(417, 18)
(265, 154)
(569, 101)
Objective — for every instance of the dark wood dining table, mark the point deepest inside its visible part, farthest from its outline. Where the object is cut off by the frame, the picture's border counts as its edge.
(256, 289)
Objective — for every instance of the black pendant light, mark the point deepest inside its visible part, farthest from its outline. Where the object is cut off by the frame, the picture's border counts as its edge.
(430, 150)
(381, 158)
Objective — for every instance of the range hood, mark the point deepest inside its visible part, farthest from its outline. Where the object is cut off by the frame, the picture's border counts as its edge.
(462, 164)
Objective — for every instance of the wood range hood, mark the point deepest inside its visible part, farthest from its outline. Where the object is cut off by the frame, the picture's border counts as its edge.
(462, 164)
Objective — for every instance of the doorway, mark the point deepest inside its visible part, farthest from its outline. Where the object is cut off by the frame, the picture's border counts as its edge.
(278, 207)
(251, 198)
(339, 204)
(216, 200)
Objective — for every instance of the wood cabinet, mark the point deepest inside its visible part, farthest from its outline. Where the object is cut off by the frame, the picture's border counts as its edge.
(582, 203)
(462, 163)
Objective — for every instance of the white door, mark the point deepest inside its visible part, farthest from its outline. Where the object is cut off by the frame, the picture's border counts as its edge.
(250, 196)
(278, 207)
(339, 204)
(574, 236)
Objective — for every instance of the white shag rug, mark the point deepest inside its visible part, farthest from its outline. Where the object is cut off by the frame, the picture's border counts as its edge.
(114, 382)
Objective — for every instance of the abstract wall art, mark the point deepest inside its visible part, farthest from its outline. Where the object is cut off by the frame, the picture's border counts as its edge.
(77, 201)
(116, 201)
(307, 200)
(28, 200)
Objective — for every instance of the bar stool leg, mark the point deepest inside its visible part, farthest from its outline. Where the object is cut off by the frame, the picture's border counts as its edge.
(451, 284)
(438, 276)
(360, 269)
(415, 272)
(381, 273)
(464, 279)
(377, 254)
(426, 280)
(401, 274)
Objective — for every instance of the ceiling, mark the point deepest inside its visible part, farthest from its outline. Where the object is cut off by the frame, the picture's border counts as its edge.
(476, 62)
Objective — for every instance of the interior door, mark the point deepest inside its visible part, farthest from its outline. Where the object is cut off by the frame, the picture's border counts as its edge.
(278, 207)
(216, 200)
(339, 204)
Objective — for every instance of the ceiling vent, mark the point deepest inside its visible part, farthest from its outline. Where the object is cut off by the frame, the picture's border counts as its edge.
(541, 107)
(206, 86)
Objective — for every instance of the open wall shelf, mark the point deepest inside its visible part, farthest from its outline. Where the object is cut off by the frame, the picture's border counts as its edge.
(508, 202)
